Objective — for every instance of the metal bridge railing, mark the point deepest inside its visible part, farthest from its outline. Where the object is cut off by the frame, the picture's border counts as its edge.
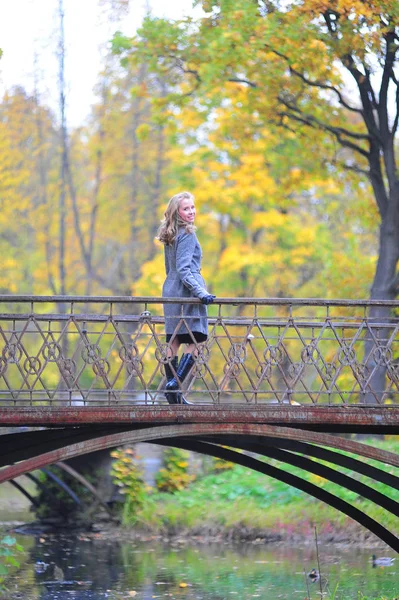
(83, 351)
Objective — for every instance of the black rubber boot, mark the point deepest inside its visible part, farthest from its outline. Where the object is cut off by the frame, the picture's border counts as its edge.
(171, 397)
(184, 368)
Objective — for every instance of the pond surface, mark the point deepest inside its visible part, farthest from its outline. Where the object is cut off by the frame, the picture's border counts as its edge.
(83, 567)
(97, 566)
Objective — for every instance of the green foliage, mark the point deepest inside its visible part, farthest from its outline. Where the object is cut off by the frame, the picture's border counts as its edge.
(120, 43)
(127, 475)
(9, 548)
(174, 476)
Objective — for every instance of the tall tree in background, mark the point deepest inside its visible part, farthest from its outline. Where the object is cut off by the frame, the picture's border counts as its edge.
(121, 172)
(64, 166)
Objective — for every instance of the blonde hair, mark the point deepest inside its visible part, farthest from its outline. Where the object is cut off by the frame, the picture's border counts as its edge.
(172, 221)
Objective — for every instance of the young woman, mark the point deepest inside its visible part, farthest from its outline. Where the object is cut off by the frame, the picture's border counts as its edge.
(183, 280)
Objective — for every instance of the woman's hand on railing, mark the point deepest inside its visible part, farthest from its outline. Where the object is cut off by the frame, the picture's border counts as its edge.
(208, 299)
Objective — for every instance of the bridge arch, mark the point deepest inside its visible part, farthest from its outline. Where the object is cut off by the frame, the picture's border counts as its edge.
(204, 438)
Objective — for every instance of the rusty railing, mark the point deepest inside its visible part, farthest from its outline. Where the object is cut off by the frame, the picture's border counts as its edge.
(80, 351)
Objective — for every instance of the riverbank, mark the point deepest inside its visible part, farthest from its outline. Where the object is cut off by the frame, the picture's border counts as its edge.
(352, 536)
(349, 535)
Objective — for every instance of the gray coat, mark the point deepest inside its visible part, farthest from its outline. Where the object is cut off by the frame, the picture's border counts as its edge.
(184, 279)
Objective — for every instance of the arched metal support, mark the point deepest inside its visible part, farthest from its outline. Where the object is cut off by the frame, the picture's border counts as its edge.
(323, 471)
(63, 485)
(43, 487)
(330, 456)
(292, 480)
(217, 432)
(73, 473)
(79, 477)
(23, 491)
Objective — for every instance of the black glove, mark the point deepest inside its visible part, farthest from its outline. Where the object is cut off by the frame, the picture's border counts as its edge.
(208, 299)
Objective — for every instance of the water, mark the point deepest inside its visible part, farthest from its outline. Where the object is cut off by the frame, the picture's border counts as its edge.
(94, 567)
(97, 566)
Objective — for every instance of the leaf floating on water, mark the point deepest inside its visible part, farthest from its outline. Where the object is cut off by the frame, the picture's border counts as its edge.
(184, 585)
(132, 594)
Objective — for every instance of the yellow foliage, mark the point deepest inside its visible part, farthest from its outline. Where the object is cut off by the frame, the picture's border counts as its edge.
(152, 276)
(270, 219)
(143, 131)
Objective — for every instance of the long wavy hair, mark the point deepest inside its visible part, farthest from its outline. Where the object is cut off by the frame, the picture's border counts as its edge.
(172, 221)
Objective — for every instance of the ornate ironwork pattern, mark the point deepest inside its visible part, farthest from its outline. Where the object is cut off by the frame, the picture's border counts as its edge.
(78, 351)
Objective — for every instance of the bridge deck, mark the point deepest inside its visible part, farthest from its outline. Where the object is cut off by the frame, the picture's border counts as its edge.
(338, 419)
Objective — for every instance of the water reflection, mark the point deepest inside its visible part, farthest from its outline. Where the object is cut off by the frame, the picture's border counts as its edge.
(93, 567)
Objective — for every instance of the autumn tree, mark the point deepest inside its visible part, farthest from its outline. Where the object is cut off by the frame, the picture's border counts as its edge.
(120, 171)
(28, 152)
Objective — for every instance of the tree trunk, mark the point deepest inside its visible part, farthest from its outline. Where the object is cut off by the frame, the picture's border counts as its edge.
(378, 353)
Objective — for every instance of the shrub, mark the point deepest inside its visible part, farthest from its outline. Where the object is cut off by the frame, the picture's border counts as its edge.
(128, 476)
(174, 475)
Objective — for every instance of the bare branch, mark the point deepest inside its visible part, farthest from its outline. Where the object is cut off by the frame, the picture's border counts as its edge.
(180, 65)
(354, 168)
(316, 83)
(240, 80)
(374, 100)
(340, 130)
(394, 78)
(311, 121)
(367, 95)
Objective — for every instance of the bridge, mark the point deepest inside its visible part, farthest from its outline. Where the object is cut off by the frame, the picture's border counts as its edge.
(279, 378)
